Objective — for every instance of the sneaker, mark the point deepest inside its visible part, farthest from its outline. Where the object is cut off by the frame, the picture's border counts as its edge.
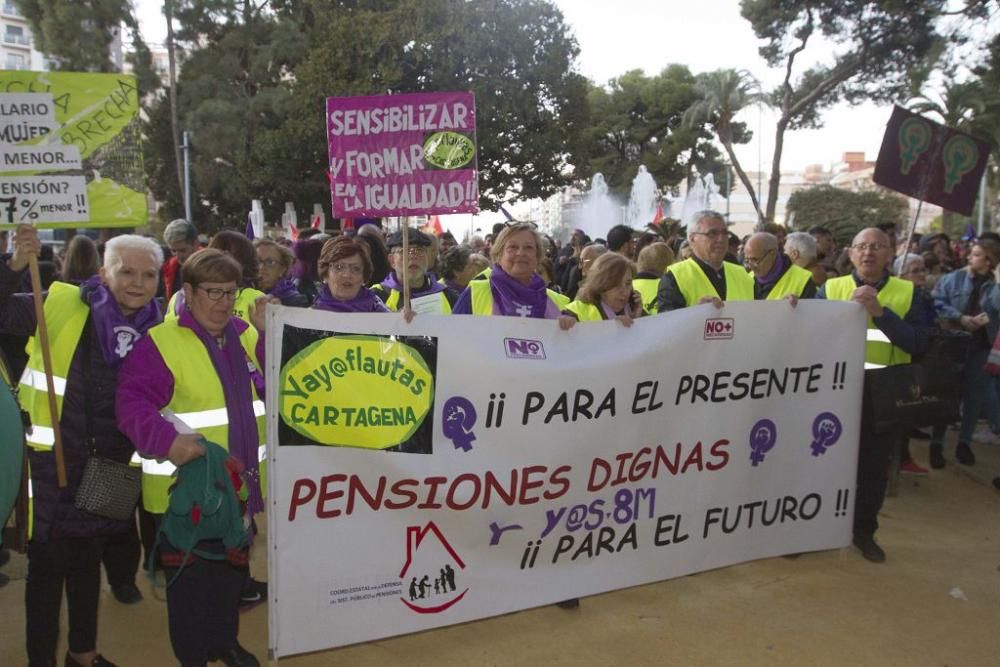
(964, 455)
(917, 434)
(937, 456)
(986, 438)
(126, 593)
(869, 549)
(253, 592)
(572, 603)
(911, 468)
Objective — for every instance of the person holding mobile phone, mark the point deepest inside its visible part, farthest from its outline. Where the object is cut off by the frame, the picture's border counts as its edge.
(607, 293)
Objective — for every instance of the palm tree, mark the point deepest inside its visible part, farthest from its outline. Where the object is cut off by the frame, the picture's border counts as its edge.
(722, 94)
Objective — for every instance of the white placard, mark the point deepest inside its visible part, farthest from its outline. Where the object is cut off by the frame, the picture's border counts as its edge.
(37, 199)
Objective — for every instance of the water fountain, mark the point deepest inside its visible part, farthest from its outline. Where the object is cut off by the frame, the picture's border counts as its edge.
(699, 196)
(642, 201)
(599, 212)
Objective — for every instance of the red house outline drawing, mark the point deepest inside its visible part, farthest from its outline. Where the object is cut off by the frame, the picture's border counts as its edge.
(414, 537)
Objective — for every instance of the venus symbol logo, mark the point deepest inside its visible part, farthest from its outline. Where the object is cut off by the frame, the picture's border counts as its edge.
(458, 418)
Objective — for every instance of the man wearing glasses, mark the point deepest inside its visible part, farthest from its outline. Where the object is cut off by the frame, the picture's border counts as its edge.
(896, 330)
(775, 274)
(427, 295)
(705, 276)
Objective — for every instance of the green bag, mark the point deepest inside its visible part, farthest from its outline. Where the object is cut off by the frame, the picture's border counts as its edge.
(204, 505)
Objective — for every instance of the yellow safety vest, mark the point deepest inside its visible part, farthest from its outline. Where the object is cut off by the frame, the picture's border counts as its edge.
(198, 403)
(695, 285)
(65, 316)
(393, 299)
(585, 312)
(647, 289)
(482, 296)
(794, 281)
(243, 307)
(897, 296)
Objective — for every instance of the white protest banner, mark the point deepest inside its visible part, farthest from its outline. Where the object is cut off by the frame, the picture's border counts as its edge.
(487, 465)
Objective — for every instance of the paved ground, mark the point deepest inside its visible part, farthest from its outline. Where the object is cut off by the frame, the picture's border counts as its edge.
(935, 602)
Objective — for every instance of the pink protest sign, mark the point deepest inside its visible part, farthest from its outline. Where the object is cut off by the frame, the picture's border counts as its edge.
(412, 154)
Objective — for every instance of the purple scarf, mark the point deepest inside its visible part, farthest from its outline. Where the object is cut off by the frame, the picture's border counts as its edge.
(283, 289)
(231, 366)
(117, 333)
(365, 301)
(431, 286)
(774, 273)
(514, 298)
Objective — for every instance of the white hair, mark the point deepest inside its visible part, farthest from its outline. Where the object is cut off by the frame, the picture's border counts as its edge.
(903, 261)
(804, 243)
(113, 250)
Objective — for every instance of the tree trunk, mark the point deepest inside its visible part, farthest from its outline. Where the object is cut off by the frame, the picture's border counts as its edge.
(168, 10)
(744, 179)
(774, 183)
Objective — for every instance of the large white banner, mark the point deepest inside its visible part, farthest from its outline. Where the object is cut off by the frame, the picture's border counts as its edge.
(461, 467)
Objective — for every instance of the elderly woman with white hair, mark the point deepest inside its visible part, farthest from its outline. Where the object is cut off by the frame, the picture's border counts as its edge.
(92, 327)
(801, 249)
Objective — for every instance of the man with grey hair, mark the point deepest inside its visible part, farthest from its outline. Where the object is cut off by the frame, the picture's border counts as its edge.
(775, 276)
(705, 276)
(803, 250)
(182, 239)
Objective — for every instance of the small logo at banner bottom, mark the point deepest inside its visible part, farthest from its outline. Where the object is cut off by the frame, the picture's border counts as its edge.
(433, 572)
(522, 348)
(719, 328)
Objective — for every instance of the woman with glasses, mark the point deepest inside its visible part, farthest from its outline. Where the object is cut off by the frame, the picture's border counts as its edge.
(197, 376)
(275, 261)
(240, 248)
(345, 267)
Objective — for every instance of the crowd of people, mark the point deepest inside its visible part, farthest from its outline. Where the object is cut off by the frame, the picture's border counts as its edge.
(154, 359)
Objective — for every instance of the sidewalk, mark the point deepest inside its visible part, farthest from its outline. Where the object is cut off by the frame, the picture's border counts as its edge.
(935, 602)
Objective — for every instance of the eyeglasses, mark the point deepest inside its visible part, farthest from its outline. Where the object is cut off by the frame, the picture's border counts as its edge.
(526, 223)
(217, 293)
(413, 251)
(269, 263)
(869, 246)
(343, 267)
(752, 263)
(712, 233)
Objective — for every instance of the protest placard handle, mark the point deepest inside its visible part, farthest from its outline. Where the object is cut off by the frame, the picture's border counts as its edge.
(43, 342)
(406, 263)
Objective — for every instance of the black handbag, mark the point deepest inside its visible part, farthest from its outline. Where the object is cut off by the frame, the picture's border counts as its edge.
(108, 488)
(923, 393)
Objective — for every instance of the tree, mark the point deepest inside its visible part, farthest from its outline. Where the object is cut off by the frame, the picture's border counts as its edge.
(878, 46)
(637, 119)
(843, 212)
(722, 94)
(515, 55)
(77, 35)
(228, 94)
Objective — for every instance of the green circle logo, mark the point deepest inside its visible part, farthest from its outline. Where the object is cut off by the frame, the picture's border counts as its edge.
(449, 150)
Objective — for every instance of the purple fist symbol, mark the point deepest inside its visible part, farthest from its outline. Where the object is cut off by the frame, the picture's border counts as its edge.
(459, 418)
(826, 432)
(763, 435)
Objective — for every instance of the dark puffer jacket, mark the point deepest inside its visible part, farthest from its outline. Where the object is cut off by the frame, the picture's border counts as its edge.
(55, 516)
